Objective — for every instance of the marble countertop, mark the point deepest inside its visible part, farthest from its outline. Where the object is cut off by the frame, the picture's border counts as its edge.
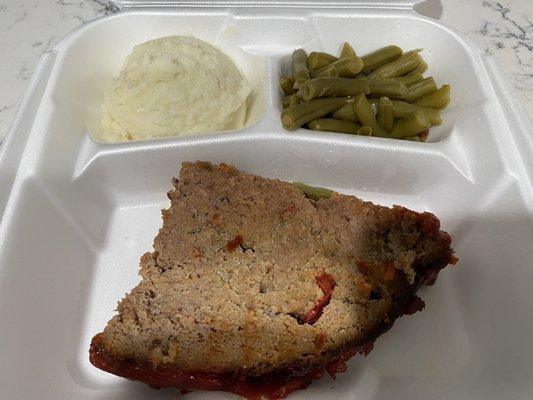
(502, 28)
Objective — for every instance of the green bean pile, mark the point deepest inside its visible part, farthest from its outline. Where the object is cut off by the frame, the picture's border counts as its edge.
(382, 94)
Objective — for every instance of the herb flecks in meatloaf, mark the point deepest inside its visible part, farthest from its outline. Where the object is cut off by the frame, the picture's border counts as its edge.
(254, 288)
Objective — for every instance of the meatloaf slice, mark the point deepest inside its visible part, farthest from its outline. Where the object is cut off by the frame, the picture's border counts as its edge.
(255, 289)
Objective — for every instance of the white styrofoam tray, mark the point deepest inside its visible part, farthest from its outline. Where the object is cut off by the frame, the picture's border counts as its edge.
(77, 214)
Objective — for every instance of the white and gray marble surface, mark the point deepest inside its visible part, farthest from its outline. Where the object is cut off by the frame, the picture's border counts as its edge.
(503, 28)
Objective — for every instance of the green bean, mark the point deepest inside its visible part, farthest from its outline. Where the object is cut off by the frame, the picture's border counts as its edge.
(365, 131)
(295, 100)
(333, 87)
(438, 99)
(327, 72)
(287, 84)
(347, 51)
(299, 114)
(380, 57)
(420, 89)
(334, 125)
(387, 87)
(408, 79)
(402, 109)
(345, 113)
(363, 110)
(413, 125)
(313, 192)
(286, 101)
(300, 70)
(319, 60)
(401, 66)
(420, 69)
(290, 100)
(385, 116)
(344, 67)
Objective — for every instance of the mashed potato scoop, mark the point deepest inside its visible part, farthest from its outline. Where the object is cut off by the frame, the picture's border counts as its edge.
(174, 86)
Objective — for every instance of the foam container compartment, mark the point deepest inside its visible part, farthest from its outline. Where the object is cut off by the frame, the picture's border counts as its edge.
(77, 214)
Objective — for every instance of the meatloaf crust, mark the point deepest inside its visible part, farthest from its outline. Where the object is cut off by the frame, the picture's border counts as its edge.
(255, 289)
